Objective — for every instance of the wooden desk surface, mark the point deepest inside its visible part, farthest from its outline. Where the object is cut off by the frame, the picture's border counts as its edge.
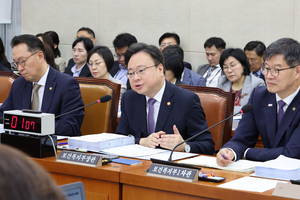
(137, 185)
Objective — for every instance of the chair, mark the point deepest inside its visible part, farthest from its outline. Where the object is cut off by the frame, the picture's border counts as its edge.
(217, 105)
(6, 81)
(100, 117)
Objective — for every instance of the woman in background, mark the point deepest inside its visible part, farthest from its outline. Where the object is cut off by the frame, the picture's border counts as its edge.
(3, 59)
(101, 61)
(58, 59)
(237, 78)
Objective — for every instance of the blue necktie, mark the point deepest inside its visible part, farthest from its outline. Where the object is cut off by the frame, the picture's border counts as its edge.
(280, 111)
(151, 102)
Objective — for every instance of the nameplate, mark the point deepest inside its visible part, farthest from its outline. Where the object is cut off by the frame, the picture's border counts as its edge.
(76, 158)
(174, 173)
(287, 190)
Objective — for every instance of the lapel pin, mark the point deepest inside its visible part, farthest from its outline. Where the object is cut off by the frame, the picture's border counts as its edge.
(50, 88)
(169, 103)
(270, 105)
(294, 108)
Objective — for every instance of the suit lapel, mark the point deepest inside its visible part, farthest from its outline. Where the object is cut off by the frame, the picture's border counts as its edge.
(27, 92)
(165, 107)
(287, 119)
(270, 111)
(49, 90)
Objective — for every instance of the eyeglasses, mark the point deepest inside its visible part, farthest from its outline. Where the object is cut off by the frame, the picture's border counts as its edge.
(119, 56)
(21, 62)
(274, 71)
(163, 45)
(139, 72)
(232, 67)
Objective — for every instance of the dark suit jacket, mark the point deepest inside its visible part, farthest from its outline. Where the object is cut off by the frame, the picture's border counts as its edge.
(262, 120)
(178, 106)
(187, 65)
(115, 68)
(61, 95)
(85, 72)
(3, 68)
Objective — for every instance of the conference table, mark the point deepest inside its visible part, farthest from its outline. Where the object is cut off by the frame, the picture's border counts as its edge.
(117, 181)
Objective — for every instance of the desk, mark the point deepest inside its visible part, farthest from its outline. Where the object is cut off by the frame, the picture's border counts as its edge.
(137, 185)
(102, 181)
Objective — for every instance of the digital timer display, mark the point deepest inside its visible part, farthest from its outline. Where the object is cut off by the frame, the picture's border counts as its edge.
(22, 123)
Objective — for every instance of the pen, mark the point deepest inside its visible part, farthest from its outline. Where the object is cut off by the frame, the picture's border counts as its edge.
(62, 143)
(224, 157)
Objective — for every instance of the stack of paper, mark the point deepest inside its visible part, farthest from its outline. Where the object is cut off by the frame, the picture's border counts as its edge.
(245, 166)
(98, 142)
(281, 168)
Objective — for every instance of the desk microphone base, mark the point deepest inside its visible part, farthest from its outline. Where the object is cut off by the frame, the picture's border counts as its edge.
(34, 146)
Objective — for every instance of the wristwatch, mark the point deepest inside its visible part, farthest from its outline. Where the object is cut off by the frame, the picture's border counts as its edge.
(187, 148)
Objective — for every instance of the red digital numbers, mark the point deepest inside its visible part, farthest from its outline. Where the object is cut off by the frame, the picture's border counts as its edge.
(23, 124)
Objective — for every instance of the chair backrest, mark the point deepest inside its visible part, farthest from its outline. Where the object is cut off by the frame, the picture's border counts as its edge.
(6, 81)
(217, 105)
(102, 117)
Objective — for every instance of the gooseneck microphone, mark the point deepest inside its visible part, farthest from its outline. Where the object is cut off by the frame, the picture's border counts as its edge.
(103, 99)
(246, 108)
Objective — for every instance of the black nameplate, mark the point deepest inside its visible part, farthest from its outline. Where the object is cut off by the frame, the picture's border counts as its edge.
(173, 172)
(76, 158)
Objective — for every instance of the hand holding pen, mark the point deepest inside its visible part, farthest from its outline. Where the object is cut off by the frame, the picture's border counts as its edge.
(224, 157)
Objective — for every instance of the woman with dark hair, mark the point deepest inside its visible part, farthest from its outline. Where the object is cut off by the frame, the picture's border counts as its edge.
(174, 66)
(22, 178)
(81, 47)
(3, 59)
(101, 60)
(237, 78)
(58, 59)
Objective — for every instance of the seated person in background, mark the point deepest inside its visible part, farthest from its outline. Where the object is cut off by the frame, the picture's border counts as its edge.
(41, 87)
(22, 178)
(237, 78)
(100, 61)
(171, 39)
(276, 113)
(156, 112)
(173, 66)
(255, 54)
(214, 47)
(2, 68)
(3, 59)
(81, 48)
(58, 59)
(188, 76)
(86, 33)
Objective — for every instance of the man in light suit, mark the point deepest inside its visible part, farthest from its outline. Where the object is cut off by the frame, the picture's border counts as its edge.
(214, 47)
(156, 112)
(58, 92)
(276, 110)
(255, 54)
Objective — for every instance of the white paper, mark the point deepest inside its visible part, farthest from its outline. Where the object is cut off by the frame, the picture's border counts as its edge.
(62, 137)
(1, 128)
(251, 184)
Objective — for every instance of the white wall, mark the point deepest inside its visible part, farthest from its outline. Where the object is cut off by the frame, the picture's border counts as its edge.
(236, 21)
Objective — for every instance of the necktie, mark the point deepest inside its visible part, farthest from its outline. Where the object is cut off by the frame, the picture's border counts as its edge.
(280, 111)
(256, 74)
(35, 97)
(209, 71)
(151, 102)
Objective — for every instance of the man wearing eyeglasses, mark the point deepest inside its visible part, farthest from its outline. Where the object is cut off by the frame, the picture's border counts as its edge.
(156, 112)
(121, 43)
(276, 111)
(41, 87)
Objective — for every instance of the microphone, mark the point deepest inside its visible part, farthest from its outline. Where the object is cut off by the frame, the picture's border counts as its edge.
(246, 108)
(103, 99)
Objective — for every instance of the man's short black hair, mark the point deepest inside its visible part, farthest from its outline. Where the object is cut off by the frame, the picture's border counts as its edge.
(33, 43)
(257, 46)
(90, 31)
(124, 40)
(219, 43)
(169, 35)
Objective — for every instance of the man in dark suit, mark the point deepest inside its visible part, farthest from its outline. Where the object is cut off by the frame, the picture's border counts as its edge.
(276, 110)
(156, 112)
(255, 54)
(2, 68)
(57, 92)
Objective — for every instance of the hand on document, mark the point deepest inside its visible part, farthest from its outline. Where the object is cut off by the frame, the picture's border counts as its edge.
(224, 157)
(168, 141)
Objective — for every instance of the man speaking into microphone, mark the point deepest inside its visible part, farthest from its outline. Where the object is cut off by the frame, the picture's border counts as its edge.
(276, 110)
(41, 87)
(156, 112)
